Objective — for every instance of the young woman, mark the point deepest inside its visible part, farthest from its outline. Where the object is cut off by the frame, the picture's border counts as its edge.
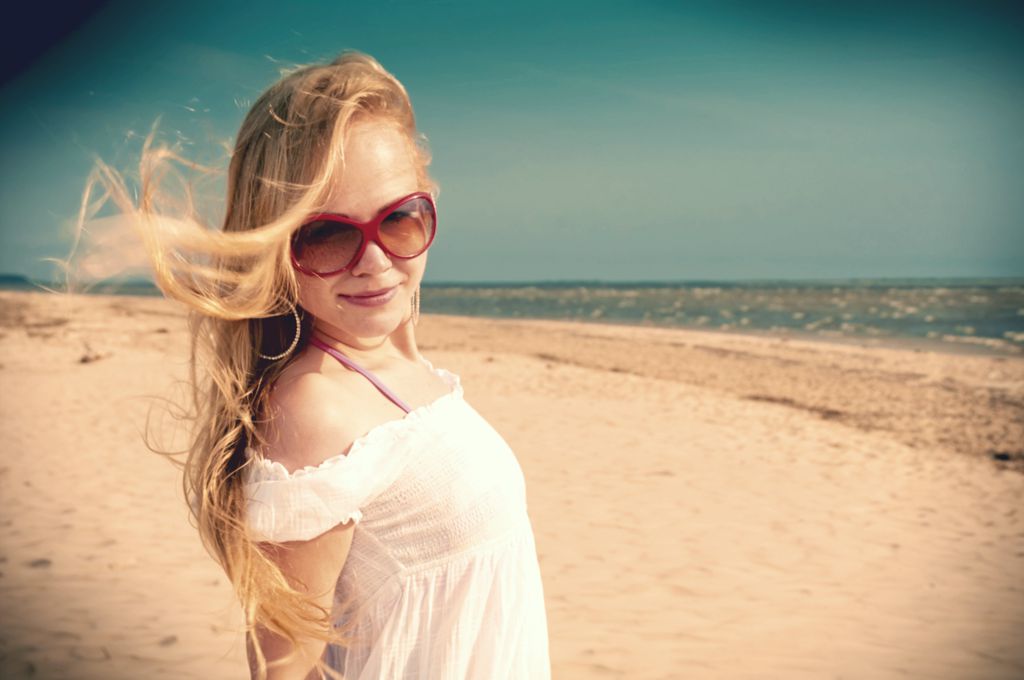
(374, 525)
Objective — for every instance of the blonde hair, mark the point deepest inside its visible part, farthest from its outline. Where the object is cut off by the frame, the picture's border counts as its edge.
(240, 289)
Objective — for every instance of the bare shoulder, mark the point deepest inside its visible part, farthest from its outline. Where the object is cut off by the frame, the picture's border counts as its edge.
(310, 419)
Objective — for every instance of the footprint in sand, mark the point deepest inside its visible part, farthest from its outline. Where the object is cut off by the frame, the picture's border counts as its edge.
(90, 653)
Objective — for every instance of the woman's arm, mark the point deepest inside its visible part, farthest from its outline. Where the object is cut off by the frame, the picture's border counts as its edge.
(309, 423)
(312, 567)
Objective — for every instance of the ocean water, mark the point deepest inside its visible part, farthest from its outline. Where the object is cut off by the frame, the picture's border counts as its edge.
(976, 315)
(984, 315)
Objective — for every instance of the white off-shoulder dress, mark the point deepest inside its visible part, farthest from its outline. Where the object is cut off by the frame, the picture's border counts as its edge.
(443, 568)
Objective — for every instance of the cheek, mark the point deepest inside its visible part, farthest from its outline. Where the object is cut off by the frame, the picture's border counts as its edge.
(315, 294)
(415, 268)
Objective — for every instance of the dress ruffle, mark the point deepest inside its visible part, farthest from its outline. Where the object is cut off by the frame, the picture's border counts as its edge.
(304, 503)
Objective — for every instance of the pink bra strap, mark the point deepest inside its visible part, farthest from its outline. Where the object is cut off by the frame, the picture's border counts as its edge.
(348, 363)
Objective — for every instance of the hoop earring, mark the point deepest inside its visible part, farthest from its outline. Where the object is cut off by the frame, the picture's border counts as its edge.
(416, 307)
(295, 340)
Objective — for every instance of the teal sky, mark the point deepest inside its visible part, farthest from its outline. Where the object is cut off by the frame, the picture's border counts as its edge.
(588, 140)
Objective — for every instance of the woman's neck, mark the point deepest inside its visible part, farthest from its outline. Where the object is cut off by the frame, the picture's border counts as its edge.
(398, 345)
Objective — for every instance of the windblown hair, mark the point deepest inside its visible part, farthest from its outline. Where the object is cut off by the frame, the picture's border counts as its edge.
(240, 289)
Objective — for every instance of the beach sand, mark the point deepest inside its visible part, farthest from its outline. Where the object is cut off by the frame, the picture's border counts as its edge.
(706, 505)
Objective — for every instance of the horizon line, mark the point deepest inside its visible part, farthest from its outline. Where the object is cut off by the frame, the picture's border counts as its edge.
(22, 278)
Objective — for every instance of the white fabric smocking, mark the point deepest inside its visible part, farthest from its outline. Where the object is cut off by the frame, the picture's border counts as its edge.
(442, 577)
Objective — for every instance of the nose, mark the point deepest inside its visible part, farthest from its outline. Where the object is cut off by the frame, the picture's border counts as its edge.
(373, 260)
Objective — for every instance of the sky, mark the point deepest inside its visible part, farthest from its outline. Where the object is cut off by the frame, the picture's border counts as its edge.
(614, 141)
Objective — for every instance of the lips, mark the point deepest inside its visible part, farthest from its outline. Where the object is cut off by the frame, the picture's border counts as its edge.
(370, 293)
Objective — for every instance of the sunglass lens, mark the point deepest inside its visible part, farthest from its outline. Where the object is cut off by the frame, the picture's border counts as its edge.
(324, 246)
(408, 230)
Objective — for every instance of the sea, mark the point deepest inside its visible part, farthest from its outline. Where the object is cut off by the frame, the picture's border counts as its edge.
(967, 315)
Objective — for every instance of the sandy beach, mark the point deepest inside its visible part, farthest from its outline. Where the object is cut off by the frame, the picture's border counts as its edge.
(706, 505)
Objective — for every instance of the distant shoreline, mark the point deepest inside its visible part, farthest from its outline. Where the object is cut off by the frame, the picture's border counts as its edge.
(906, 343)
(145, 287)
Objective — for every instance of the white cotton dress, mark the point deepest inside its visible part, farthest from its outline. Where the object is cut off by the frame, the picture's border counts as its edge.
(442, 567)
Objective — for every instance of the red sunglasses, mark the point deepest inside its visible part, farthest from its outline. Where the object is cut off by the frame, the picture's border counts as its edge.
(328, 244)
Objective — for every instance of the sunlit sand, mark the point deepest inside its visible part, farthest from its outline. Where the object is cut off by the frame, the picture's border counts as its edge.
(706, 505)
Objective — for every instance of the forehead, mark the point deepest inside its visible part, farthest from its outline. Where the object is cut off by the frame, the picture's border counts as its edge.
(380, 167)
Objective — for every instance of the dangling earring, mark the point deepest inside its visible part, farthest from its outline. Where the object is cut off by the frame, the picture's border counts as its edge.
(416, 307)
(295, 340)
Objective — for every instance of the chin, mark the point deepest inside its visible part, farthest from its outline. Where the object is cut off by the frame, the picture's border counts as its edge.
(374, 326)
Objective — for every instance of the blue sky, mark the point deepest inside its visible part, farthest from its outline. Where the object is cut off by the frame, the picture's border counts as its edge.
(590, 140)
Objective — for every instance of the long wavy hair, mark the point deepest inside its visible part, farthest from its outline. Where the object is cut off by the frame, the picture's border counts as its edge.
(240, 290)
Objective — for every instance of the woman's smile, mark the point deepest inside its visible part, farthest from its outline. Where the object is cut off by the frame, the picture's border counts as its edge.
(373, 299)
